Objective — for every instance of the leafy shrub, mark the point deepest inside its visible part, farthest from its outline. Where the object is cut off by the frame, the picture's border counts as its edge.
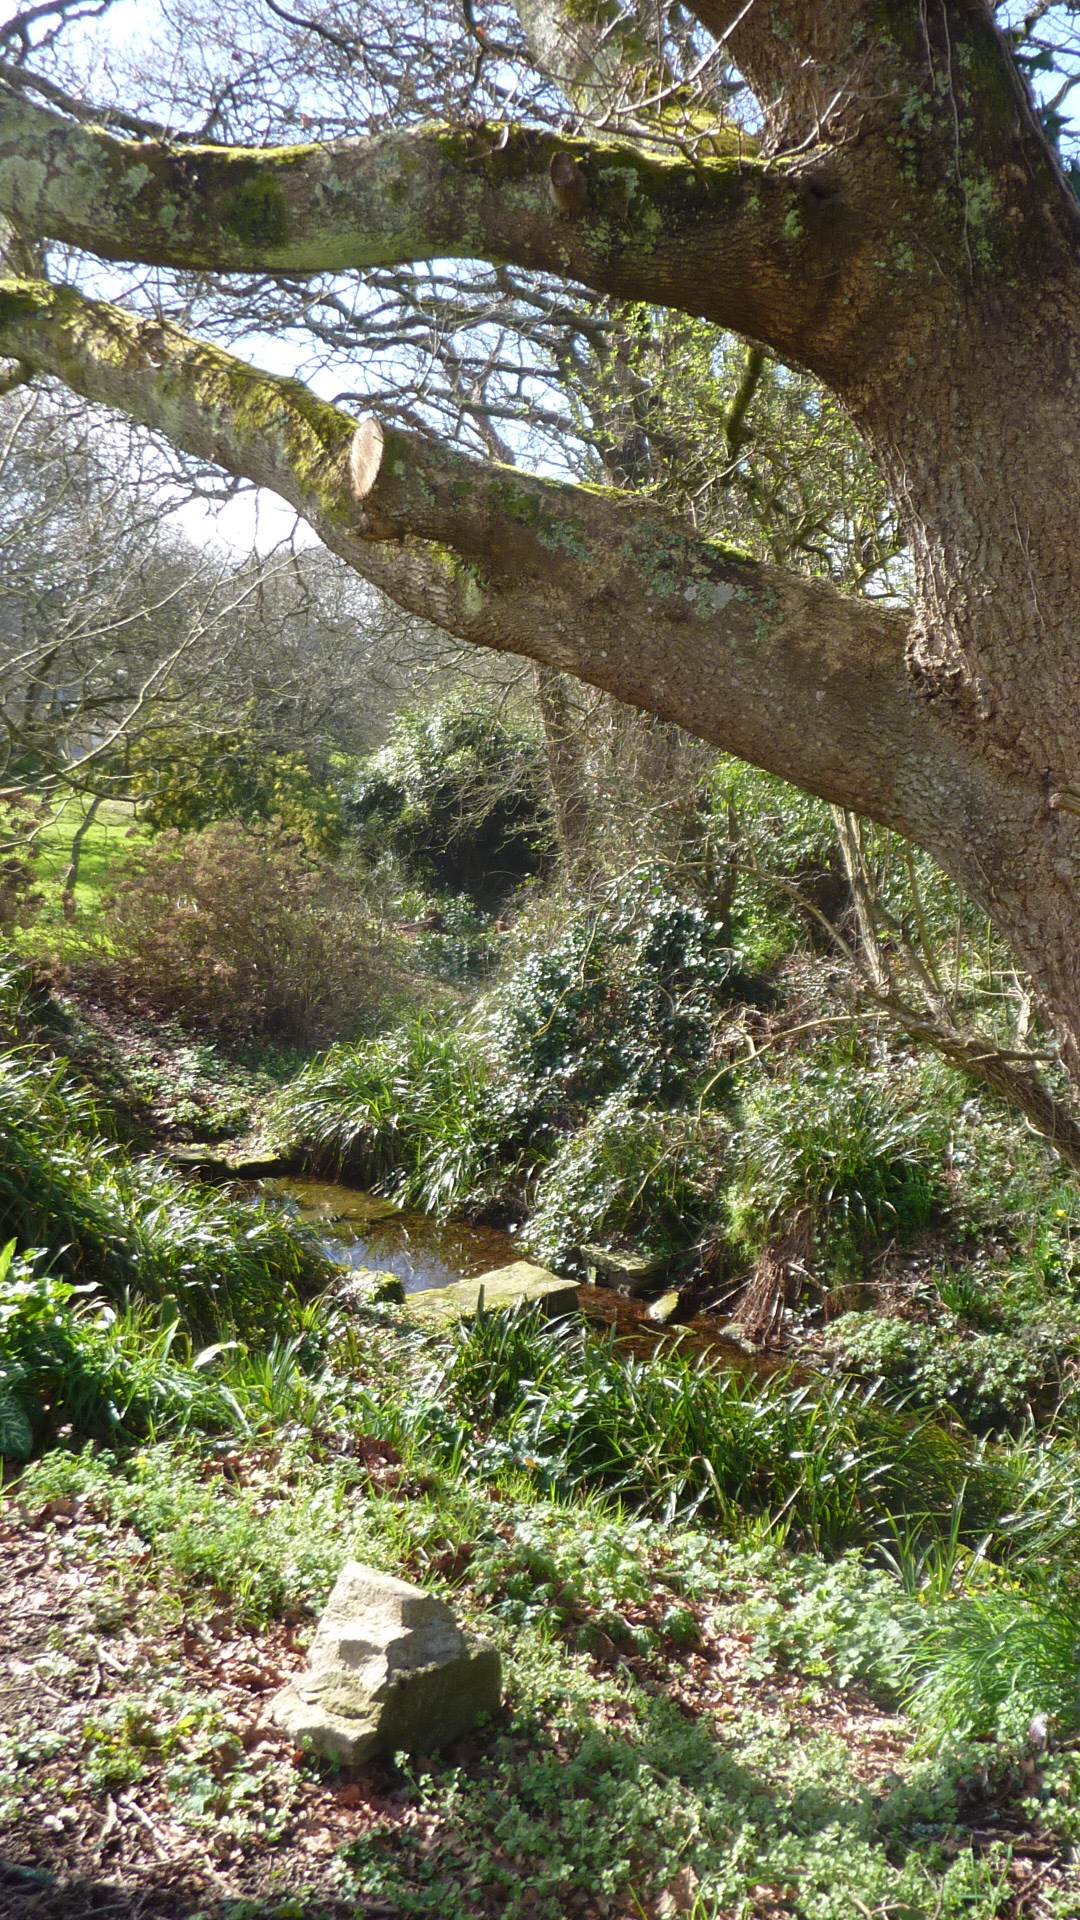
(627, 997)
(621, 1010)
(184, 779)
(988, 1380)
(460, 796)
(132, 1227)
(628, 1176)
(457, 945)
(835, 1149)
(240, 931)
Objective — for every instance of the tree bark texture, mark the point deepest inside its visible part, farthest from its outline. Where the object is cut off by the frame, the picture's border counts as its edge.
(902, 230)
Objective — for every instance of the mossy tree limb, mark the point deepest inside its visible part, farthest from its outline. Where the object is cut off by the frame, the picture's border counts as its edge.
(778, 668)
(713, 236)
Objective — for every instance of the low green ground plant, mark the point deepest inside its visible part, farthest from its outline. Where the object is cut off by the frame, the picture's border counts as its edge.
(65, 923)
(989, 1380)
(595, 1783)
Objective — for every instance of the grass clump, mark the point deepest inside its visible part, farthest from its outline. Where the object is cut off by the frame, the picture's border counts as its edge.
(71, 1366)
(132, 1227)
(991, 1664)
(837, 1150)
(408, 1112)
(831, 1466)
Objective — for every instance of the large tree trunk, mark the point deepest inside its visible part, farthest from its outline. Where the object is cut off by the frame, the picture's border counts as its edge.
(981, 452)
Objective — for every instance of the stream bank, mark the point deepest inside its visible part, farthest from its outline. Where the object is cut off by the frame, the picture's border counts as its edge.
(363, 1231)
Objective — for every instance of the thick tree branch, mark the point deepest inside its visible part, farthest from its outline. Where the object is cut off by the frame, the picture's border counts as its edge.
(781, 670)
(929, 102)
(754, 248)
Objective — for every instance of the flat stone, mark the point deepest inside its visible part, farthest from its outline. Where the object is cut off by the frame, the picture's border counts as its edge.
(502, 1287)
(664, 1309)
(632, 1273)
(389, 1671)
(238, 1161)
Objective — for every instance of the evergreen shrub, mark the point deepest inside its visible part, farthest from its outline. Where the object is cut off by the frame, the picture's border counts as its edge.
(459, 795)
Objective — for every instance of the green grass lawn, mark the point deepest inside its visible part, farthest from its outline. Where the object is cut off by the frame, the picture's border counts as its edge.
(114, 835)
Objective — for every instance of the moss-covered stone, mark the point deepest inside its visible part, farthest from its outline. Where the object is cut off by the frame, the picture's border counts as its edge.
(491, 1292)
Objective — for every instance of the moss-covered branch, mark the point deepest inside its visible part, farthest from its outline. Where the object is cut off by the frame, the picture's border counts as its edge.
(782, 670)
(748, 246)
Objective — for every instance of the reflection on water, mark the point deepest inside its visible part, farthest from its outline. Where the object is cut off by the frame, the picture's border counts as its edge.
(360, 1230)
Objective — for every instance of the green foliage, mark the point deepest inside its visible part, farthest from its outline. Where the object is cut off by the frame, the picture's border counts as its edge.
(71, 1366)
(410, 1112)
(240, 931)
(989, 1379)
(198, 1744)
(626, 997)
(990, 1662)
(837, 1619)
(459, 796)
(456, 943)
(132, 1227)
(631, 1176)
(679, 1437)
(184, 779)
(620, 1009)
(836, 1149)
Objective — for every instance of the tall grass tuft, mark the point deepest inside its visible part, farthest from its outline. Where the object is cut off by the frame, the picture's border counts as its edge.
(133, 1228)
(409, 1112)
(989, 1663)
(838, 1150)
(833, 1466)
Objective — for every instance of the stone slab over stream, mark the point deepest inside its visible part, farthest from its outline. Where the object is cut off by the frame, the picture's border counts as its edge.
(502, 1287)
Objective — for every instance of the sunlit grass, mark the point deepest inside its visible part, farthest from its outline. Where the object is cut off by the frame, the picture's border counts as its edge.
(112, 839)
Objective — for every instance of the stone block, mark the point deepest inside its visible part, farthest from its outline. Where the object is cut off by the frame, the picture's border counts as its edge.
(502, 1287)
(389, 1671)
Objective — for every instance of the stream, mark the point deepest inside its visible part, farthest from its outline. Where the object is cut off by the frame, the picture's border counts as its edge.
(362, 1230)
